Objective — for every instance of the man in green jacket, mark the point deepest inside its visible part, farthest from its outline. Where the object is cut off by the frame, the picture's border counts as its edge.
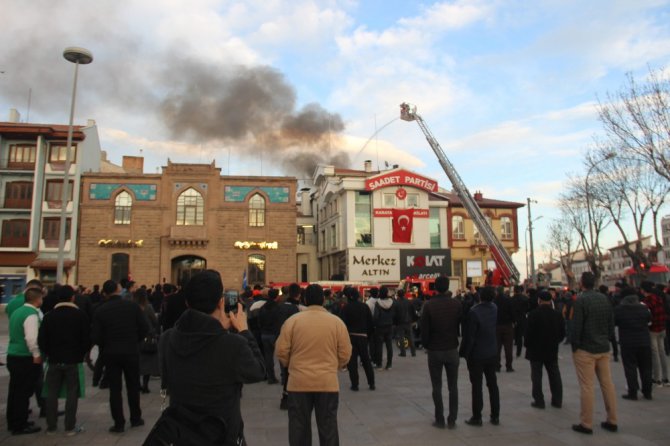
(20, 299)
(23, 362)
(593, 327)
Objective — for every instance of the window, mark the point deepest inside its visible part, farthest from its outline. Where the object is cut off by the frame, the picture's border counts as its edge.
(333, 236)
(51, 231)
(434, 227)
(15, 233)
(122, 205)
(475, 230)
(256, 269)
(190, 208)
(54, 191)
(389, 200)
(120, 266)
(412, 201)
(363, 220)
(21, 156)
(506, 228)
(457, 227)
(458, 268)
(257, 210)
(322, 240)
(19, 195)
(58, 152)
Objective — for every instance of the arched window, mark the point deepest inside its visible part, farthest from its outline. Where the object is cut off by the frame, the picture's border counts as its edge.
(120, 266)
(457, 227)
(256, 269)
(190, 208)
(122, 205)
(506, 228)
(257, 210)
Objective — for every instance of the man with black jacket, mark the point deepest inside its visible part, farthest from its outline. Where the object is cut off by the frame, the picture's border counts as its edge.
(269, 323)
(404, 312)
(118, 327)
(505, 328)
(204, 363)
(64, 339)
(358, 319)
(287, 309)
(546, 330)
(520, 305)
(440, 322)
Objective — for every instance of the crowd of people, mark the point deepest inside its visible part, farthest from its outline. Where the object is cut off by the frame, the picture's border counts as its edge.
(205, 349)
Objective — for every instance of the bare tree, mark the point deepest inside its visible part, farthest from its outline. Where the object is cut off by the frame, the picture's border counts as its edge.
(636, 119)
(566, 242)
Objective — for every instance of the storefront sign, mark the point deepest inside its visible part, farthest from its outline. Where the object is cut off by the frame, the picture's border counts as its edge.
(120, 243)
(418, 213)
(474, 268)
(400, 178)
(373, 264)
(240, 193)
(256, 245)
(425, 263)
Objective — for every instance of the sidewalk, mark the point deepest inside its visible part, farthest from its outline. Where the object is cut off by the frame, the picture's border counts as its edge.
(399, 412)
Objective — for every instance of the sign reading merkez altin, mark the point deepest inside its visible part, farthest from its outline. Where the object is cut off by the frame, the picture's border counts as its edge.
(425, 263)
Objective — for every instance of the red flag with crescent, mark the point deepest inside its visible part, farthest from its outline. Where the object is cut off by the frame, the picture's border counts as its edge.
(402, 225)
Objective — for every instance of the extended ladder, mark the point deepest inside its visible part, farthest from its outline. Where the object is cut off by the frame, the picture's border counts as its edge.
(502, 259)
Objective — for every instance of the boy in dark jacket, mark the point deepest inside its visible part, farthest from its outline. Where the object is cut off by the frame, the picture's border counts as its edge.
(358, 319)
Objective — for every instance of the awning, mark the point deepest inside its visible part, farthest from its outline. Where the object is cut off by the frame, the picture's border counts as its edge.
(655, 268)
(51, 263)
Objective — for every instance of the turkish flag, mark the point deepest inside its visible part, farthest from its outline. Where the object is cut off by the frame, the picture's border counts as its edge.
(402, 225)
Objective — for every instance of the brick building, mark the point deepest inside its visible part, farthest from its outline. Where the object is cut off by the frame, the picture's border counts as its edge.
(164, 227)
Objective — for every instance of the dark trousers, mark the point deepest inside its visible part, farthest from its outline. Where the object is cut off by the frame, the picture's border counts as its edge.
(478, 370)
(359, 348)
(637, 359)
(284, 379)
(405, 331)
(519, 334)
(449, 361)
(56, 376)
(269, 355)
(505, 337)
(129, 366)
(23, 376)
(554, 377)
(300, 406)
(384, 336)
(99, 370)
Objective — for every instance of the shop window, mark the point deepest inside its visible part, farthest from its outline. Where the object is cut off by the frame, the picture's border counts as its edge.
(506, 228)
(190, 208)
(18, 195)
(257, 210)
(21, 156)
(122, 206)
(256, 269)
(120, 266)
(51, 231)
(457, 227)
(58, 153)
(15, 233)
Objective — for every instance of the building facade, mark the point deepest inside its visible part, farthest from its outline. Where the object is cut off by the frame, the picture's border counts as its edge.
(32, 167)
(163, 228)
(383, 226)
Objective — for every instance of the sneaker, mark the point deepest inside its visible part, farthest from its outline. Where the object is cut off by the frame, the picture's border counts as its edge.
(581, 429)
(75, 431)
(609, 426)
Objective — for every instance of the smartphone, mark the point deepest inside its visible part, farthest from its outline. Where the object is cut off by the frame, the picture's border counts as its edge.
(231, 297)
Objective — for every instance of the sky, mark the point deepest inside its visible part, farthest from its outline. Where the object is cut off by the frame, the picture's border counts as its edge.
(508, 87)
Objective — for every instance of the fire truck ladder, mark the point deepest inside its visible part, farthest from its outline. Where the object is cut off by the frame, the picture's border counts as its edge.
(500, 256)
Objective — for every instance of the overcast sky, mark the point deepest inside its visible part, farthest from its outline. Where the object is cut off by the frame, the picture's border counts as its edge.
(508, 87)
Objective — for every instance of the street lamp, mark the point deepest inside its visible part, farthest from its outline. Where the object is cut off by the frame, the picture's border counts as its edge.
(78, 56)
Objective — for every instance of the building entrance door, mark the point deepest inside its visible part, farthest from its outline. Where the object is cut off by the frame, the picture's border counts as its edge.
(185, 267)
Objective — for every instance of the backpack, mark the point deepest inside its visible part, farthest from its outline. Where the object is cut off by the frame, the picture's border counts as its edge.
(382, 317)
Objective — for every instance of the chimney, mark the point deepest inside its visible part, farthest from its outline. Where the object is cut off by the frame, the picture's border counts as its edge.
(14, 115)
(305, 205)
(478, 196)
(133, 164)
(90, 122)
(368, 165)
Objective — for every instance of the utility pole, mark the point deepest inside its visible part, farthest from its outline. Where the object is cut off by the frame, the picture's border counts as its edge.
(530, 234)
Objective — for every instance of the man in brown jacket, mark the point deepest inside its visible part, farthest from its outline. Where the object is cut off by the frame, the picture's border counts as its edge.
(314, 345)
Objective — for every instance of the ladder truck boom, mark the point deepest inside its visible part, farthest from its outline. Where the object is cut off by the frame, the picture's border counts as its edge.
(500, 255)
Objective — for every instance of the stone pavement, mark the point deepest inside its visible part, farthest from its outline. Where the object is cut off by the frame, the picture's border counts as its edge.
(399, 412)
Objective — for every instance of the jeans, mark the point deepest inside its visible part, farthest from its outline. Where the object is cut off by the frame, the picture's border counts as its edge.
(636, 359)
(477, 370)
(659, 362)
(269, 355)
(57, 375)
(129, 366)
(554, 377)
(405, 331)
(23, 376)
(359, 347)
(449, 361)
(588, 366)
(384, 335)
(300, 406)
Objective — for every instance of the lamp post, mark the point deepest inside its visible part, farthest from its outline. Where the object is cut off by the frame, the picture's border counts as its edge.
(529, 229)
(530, 233)
(78, 56)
